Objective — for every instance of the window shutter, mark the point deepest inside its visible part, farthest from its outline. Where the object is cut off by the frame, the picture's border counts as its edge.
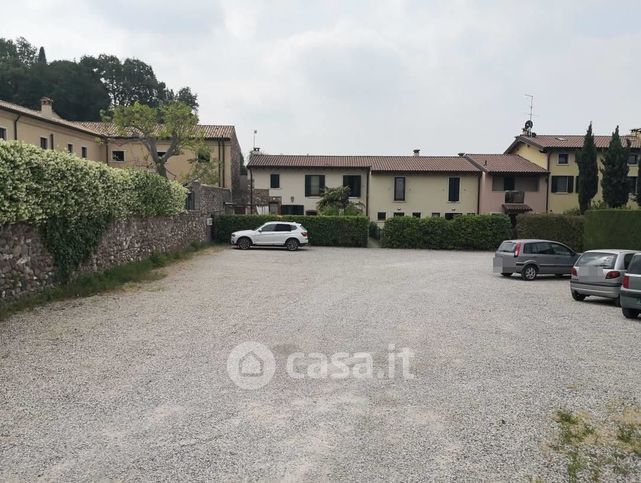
(555, 185)
(570, 184)
(308, 185)
(321, 183)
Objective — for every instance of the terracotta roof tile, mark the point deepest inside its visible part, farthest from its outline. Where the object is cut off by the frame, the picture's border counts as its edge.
(505, 163)
(573, 141)
(38, 115)
(108, 129)
(376, 163)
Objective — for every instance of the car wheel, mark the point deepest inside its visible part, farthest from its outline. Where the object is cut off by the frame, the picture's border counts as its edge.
(244, 243)
(529, 272)
(578, 296)
(292, 244)
(630, 313)
(506, 274)
(617, 301)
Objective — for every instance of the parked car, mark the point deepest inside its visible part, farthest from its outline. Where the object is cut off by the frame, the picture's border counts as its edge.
(533, 257)
(600, 273)
(631, 289)
(281, 233)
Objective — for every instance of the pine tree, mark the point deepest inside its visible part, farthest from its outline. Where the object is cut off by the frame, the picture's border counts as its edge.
(615, 185)
(588, 183)
(42, 58)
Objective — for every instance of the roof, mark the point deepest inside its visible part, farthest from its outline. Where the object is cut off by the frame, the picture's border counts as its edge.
(505, 163)
(376, 163)
(9, 106)
(109, 129)
(572, 141)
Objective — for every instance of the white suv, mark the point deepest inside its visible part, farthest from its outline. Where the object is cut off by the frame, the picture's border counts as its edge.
(273, 233)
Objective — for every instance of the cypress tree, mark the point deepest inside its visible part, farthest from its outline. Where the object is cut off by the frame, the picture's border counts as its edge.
(615, 185)
(588, 183)
(42, 57)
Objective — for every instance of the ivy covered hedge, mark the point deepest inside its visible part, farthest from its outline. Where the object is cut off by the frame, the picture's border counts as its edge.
(336, 231)
(614, 228)
(465, 232)
(567, 229)
(37, 184)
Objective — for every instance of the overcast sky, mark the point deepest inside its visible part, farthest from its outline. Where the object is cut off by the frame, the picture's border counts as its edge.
(368, 77)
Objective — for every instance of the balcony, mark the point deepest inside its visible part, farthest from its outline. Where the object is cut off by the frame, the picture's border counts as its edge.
(515, 203)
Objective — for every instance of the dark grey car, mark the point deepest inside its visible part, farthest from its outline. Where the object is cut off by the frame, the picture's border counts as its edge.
(533, 257)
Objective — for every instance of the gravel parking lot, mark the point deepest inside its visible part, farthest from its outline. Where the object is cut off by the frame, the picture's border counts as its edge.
(134, 384)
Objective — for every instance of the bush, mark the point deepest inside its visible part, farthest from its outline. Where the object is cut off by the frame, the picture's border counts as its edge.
(343, 231)
(37, 184)
(473, 232)
(567, 229)
(614, 228)
(374, 230)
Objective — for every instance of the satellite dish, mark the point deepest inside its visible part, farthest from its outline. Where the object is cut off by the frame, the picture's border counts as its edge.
(529, 124)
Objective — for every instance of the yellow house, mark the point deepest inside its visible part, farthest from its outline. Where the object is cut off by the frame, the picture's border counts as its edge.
(99, 141)
(557, 154)
(385, 186)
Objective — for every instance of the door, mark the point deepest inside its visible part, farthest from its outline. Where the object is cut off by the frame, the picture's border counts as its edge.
(283, 231)
(544, 256)
(564, 259)
(266, 234)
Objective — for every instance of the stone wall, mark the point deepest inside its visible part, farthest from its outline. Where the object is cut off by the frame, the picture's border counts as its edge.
(210, 199)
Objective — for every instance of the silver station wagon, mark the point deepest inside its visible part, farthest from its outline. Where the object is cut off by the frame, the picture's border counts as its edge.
(600, 273)
(533, 257)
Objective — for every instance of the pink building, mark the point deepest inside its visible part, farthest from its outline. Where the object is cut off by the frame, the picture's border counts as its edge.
(510, 184)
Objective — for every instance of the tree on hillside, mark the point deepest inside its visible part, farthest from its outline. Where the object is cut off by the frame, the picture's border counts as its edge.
(614, 184)
(173, 122)
(42, 57)
(588, 183)
(335, 201)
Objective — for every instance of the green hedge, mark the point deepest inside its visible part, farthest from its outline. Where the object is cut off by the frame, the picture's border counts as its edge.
(613, 229)
(567, 229)
(469, 232)
(37, 184)
(342, 231)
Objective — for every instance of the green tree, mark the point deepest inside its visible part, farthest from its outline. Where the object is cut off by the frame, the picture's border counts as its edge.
(614, 184)
(335, 201)
(588, 183)
(173, 122)
(42, 57)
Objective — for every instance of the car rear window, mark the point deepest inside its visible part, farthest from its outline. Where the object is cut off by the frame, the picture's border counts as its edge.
(507, 246)
(635, 265)
(283, 227)
(597, 259)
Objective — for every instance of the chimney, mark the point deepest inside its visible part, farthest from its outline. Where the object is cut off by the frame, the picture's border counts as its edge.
(417, 152)
(636, 133)
(46, 107)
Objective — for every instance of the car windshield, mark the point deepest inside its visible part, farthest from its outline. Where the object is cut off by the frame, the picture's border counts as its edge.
(597, 259)
(507, 246)
(635, 265)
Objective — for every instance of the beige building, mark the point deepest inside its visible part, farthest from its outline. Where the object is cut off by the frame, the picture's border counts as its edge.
(99, 142)
(557, 155)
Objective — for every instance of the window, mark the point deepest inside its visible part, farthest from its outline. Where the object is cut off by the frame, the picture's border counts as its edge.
(632, 181)
(3, 133)
(454, 189)
(633, 159)
(204, 155)
(562, 184)
(381, 216)
(118, 156)
(354, 185)
(84, 151)
(292, 209)
(561, 250)
(283, 227)
(44, 143)
(314, 184)
(399, 188)
(449, 216)
(190, 202)
(161, 153)
(274, 180)
(436, 215)
(416, 214)
(509, 183)
(70, 148)
(563, 158)
(399, 213)
(311, 213)
(269, 227)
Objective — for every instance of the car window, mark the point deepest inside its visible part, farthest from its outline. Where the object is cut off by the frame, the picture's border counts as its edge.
(542, 248)
(597, 259)
(635, 265)
(529, 248)
(561, 250)
(507, 246)
(626, 260)
(268, 227)
(283, 227)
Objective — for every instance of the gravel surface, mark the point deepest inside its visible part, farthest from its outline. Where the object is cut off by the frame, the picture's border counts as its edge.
(134, 385)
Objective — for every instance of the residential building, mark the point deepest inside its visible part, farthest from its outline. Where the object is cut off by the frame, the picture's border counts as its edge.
(557, 155)
(510, 184)
(101, 142)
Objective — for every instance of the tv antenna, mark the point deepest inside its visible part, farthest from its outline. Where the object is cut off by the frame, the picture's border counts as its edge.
(254, 145)
(531, 105)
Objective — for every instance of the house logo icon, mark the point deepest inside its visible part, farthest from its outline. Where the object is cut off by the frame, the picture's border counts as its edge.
(251, 365)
